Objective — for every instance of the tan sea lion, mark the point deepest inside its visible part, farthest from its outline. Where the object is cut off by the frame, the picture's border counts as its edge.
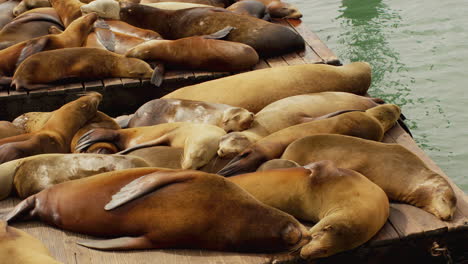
(29, 25)
(347, 208)
(209, 210)
(26, 5)
(33, 174)
(371, 124)
(19, 247)
(291, 111)
(84, 63)
(32, 121)
(57, 133)
(200, 141)
(74, 36)
(273, 84)
(199, 53)
(251, 8)
(216, 3)
(6, 12)
(399, 172)
(8, 129)
(160, 111)
(278, 164)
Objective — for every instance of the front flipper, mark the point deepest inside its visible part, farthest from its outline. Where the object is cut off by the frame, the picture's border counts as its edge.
(32, 47)
(121, 243)
(158, 73)
(220, 34)
(148, 183)
(152, 143)
(25, 208)
(104, 34)
(95, 136)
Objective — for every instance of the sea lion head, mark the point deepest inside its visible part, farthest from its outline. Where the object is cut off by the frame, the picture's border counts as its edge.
(387, 115)
(436, 197)
(198, 155)
(279, 9)
(104, 8)
(237, 119)
(85, 23)
(233, 143)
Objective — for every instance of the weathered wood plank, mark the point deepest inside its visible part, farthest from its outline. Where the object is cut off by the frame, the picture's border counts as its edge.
(97, 86)
(276, 62)
(387, 235)
(173, 75)
(130, 82)
(112, 83)
(293, 59)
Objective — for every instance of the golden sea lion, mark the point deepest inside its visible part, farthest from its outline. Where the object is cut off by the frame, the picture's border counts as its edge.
(205, 210)
(216, 3)
(198, 53)
(291, 111)
(19, 247)
(84, 63)
(347, 208)
(371, 124)
(273, 84)
(399, 172)
(33, 174)
(57, 133)
(200, 141)
(159, 111)
(251, 8)
(8, 129)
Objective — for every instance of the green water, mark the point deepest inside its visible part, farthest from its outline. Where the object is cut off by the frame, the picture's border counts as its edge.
(419, 54)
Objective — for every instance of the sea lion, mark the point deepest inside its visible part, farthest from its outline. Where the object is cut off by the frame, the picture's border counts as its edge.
(33, 174)
(205, 210)
(216, 3)
(73, 36)
(273, 84)
(199, 53)
(399, 172)
(251, 8)
(19, 247)
(175, 5)
(200, 141)
(266, 38)
(32, 121)
(278, 164)
(29, 25)
(279, 9)
(371, 124)
(347, 208)
(68, 10)
(6, 12)
(57, 133)
(26, 5)
(291, 111)
(8, 129)
(84, 63)
(159, 111)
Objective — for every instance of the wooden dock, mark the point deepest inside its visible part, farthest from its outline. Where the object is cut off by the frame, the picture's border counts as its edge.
(410, 235)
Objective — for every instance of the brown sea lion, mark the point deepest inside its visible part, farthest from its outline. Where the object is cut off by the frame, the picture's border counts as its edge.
(291, 111)
(198, 53)
(200, 141)
(19, 247)
(33, 174)
(68, 10)
(347, 208)
(371, 124)
(57, 133)
(84, 63)
(251, 8)
(74, 36)
(273, 84)
(26, 5)
(8, 129)
(205, 210)
(216, 3)
(279, 9)
(6, 12)
(159, 111)
(399, 172)
(29, 25)
(278, 164)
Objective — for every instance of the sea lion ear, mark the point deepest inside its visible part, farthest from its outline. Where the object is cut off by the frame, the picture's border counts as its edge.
(32, 47)
(148, 183)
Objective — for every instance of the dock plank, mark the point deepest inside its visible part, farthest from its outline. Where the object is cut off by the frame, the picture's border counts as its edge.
(387, 235)
(262, 64)
(276, 62)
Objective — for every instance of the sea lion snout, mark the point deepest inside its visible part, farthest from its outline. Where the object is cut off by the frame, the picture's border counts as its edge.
(237, 119)
(233, 143)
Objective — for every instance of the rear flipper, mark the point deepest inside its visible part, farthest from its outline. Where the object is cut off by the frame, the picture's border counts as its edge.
(158, 73)
(121, 243)
(24, 210)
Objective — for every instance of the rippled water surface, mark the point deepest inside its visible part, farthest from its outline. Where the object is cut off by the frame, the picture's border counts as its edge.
(419, 54)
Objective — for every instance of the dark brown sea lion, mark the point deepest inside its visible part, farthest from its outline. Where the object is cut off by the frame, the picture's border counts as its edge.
(371, 124)
(399, 172)
(251, 8)
(198, 53)
(216, 3)
(159, 111)
(74, 36)
(347, 208)
(57, 133)
(273, 84)
(200, 141)
(205, 210)
(84, 63)
(19, 247)
(29, 25)
(6, 12)
(7, 129)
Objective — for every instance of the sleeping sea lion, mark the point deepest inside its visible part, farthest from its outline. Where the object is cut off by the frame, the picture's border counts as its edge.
(251, 8)
(216, 3)
(19, 247)
(205, 210)
(371, 124)
(8, 129)
(279, 9)
(57, 133)
(200, 141)
(399, 172)
(199, 53)
(347, 208)
(84, 63)
(159, 111)
(33, 174)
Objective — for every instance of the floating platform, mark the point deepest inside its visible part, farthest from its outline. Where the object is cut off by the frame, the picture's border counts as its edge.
(410, 235)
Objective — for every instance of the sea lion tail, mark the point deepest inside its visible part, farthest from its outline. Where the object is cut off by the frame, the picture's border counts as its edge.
(220, 34)
(25, 208)
(158, 74)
